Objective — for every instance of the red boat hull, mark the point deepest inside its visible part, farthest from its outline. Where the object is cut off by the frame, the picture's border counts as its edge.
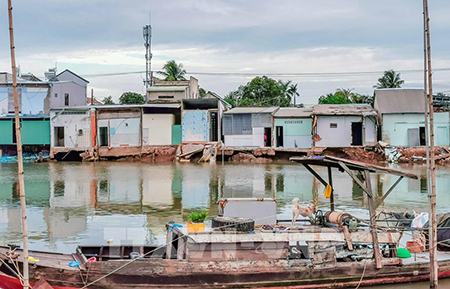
(8, 282)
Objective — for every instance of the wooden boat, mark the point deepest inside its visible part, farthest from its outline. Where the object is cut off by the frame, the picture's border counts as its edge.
(332, 253)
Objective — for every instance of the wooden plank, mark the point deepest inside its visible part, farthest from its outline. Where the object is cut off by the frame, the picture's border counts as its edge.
(357, 237)
(330, 182)
(314, 173)
(373, 223)
(356, 179)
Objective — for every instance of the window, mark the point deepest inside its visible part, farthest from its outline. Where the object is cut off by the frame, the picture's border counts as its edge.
(56, 95)
(165, 96)
(333, 125)
(66, 99)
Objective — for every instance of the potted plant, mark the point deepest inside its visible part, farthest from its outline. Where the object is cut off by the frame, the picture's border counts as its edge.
(196, 221)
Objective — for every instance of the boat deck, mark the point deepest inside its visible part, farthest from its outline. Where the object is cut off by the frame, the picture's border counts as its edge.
(47, 259)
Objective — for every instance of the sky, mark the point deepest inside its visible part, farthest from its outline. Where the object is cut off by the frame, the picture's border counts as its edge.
(242, 37)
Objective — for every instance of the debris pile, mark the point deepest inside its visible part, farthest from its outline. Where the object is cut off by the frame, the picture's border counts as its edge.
(416, 154)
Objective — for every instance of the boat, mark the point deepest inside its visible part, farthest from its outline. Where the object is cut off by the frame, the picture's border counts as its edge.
(331, 250)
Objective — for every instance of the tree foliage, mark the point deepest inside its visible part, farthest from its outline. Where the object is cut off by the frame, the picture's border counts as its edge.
(108, 100)
(263, 91)
(173, 71)
(344, 96)
(390, 79)
(131, 98)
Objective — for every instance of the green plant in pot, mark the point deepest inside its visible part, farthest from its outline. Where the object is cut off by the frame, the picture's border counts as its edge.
(196, 221)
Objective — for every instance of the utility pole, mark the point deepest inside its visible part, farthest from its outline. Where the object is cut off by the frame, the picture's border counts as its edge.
(434, 269)
(147, 33)
(23, 206)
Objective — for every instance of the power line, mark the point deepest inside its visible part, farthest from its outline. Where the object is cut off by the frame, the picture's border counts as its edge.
(279, 74)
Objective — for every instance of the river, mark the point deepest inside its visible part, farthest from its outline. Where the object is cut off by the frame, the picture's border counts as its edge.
(91, 203)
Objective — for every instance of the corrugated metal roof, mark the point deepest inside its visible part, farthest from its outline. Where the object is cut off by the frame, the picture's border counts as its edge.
(294, 112)
(344, 109)
(119, 106)
(166, 88)
(400, 100)
(236, 110)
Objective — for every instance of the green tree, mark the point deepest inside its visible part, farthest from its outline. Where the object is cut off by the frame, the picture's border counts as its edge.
(131, 98)
(344, 96)
(263, 91)
(390, 79)
(173, 71)
(108, 100)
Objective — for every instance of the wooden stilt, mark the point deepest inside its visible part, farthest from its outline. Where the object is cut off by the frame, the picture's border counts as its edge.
(330, 182)
(434, 269)
(17, 103)
(373, 223)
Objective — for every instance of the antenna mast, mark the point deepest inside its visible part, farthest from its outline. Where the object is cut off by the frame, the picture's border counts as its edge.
(147, 33)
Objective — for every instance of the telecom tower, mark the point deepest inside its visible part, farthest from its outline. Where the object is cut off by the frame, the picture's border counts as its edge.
(147, 32)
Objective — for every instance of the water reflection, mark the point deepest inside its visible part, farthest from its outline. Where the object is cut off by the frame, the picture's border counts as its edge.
(88, 203)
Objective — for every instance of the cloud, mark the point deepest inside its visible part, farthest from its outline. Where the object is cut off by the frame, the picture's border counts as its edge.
(289, 36)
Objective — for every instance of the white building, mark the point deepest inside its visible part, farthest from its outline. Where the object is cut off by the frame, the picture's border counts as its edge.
(344, 125)
(248, 126)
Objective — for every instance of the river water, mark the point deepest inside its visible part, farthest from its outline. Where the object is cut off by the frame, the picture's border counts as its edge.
(92, 203)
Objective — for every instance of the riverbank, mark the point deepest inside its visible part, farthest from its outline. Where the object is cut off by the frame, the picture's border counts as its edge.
(216, 152)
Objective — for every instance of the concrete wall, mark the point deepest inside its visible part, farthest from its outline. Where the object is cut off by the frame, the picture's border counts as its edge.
(77, 95)
(77, 128)
(122, 131)
(395, 127)
(195, 125)
(341, 136)
(256, 139)
(157, 129)
(297, 132)
(177, 95)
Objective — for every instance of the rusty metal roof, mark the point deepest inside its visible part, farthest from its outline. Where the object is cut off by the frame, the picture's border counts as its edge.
(294, 112)
(344, 109)
(270, 109)
(400, 100)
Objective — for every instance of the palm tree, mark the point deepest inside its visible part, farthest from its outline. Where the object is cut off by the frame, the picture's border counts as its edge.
(173, 71)
(390, 79)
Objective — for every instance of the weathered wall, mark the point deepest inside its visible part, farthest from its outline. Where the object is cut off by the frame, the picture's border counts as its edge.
(157, 129)
(195, 125)
(35, 132)
(73, 122)
(296, 132)
(32, 99)
(395, 127)
(122, 131)
(77, 94)
(6, 129)
(341, 136)
(177, 95)
(256, 139)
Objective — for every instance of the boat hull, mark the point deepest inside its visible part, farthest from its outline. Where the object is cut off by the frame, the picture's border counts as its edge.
(254, 274)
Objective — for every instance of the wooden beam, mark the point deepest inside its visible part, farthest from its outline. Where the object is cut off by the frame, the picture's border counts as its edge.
(314, 173)
(356, 179)
(389, 191)
(330, 182)
(373, 223)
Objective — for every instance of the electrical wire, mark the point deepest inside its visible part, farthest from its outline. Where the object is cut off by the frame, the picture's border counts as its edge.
(279, 74)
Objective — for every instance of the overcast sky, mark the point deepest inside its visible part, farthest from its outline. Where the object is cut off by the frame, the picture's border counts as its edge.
(251, 36)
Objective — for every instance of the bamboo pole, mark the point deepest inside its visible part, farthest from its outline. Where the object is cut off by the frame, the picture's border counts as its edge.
(23, 206)
(432, 164)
